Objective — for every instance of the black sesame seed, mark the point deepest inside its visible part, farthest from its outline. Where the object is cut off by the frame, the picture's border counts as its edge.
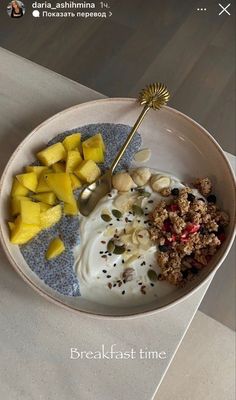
(124, 281)
(110, 224)
(163, 248)
(118, 219)
(140, 283)
(101, 252)
(114, 285)
(114, 265)
(108, 276)
(146, 208)
(109, 195)
(110, 254)
(123, 292)
(175, 192)
(123, 261)
(191, 197)
(211, 198)
(150, 201)
(104, 271)
(152, 284)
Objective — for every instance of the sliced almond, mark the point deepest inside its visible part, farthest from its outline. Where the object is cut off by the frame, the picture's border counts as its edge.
(142, 155)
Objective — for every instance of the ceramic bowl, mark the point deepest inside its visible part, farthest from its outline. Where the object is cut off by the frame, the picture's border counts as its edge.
(179, 146)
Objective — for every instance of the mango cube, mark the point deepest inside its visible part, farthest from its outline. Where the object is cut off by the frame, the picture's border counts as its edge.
(48, 198)
(44, 206)
(23, 232)
(29, 180)
(18, 189)
(71, 209)
(30, 212)
(50, 217)
(35, 168)
(88, 171)
(58, 167)
(15, 204)
(52, 154)
(93, 148)
(73, 160)
(72, 142)
(42, 185)
(55, 248)
(60, 184)
(75, 182)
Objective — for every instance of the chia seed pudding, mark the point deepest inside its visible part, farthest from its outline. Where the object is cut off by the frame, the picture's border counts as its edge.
(59, 273)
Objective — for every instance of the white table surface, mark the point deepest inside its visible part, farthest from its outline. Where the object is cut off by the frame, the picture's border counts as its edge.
(36, 335)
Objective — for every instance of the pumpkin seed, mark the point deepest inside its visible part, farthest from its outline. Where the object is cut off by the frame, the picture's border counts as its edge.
(119, 250)
(137, 210)
(106, 217)
(152, 275)
(117, 213)
(110, 246)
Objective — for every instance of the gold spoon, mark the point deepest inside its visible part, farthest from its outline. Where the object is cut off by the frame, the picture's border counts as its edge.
(153, 96)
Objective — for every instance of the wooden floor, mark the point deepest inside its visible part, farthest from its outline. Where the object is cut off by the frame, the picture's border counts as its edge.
(144, 41)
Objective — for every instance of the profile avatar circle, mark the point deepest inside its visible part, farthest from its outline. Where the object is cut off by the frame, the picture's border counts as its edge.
(16, 9)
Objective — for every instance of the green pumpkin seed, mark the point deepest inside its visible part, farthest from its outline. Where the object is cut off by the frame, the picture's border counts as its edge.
(106, 217)
(152, 275)
(117, 213)
(146, 194)
(137, 210)
(110, 246)
(143, 192)
(119, 250)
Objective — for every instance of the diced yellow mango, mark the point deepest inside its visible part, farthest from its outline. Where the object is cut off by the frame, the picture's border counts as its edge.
(22, 232)
(42, 185)
(72, 142)
(29, 180)
(93, 148)
(88, 171)
(30, 212)
(50, 217)
(96, 139)
(44, 206)
(48, 198)
(55, 248)
(18, 189)
(71, 209)
(35, 168)
(11, 225)
(15, 204)
(75, 182)
(60, 184)
(58, 167)
(52, 154)
(73, 160)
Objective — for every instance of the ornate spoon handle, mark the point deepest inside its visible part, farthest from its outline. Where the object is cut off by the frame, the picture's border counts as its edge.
(153, 96)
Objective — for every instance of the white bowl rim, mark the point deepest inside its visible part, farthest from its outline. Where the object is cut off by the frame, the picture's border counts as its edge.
(136, 314)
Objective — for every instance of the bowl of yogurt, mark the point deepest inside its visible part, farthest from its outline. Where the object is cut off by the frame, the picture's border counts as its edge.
(162, 231)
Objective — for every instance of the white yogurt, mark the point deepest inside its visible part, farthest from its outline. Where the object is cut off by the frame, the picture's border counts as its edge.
(97, 269)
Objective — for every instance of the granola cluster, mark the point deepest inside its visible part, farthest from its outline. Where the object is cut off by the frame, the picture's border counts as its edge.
(188, 231)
